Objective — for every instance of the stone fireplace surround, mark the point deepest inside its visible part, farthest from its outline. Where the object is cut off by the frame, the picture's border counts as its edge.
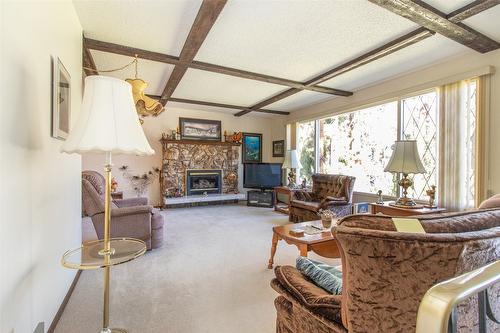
(182, 155)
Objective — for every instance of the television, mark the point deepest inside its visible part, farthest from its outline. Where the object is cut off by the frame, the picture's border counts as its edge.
(262, 175)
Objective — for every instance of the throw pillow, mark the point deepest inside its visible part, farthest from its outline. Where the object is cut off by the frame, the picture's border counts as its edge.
(493, 202)
(323, 275)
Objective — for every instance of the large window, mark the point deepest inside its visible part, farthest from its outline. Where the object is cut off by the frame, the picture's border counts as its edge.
(306, 149)
(360, 143)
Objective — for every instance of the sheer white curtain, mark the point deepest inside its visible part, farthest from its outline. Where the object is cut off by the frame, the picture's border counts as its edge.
(456, 147)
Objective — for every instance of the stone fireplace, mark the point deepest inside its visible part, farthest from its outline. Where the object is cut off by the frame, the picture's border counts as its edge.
(201, 181)
(182, 158)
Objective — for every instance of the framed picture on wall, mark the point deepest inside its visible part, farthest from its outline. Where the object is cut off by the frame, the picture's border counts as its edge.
(200, 129)
(279, 148)
(252, 148)
(61, 100)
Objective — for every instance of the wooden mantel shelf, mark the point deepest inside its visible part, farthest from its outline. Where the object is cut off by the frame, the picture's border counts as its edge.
(200, 142)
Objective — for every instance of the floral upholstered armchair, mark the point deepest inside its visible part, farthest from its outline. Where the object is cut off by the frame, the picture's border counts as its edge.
(331, 192)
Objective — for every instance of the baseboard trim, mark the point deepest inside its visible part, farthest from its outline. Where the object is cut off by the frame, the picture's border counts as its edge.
(64, 303)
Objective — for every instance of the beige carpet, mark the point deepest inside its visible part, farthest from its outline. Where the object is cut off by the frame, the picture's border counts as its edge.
(210, 276)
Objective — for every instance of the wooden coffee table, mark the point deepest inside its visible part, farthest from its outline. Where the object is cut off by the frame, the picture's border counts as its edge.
(322, 243)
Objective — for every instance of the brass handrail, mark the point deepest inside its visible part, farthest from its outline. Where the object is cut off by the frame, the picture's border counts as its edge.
(439, 301)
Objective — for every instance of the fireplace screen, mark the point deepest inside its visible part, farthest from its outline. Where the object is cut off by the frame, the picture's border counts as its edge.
(203, 181)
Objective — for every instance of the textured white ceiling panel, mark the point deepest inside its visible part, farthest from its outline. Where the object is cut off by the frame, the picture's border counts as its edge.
(424, 53)
(297, 39)
(160, 26)
(154, 73)
(212, 87)
(299, 100)
(487, 22)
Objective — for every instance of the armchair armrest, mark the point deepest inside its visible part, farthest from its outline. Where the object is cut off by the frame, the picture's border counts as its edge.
(131, 202)
(124, 211)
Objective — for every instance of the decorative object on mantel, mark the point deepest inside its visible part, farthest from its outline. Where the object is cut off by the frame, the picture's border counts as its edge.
(140, 182)
(291, 162)
(200, 129)
(107, 124)
(252, 148)
(431, 193)
(236, 137)
(61, 100)
(405, 159)
(279, 148)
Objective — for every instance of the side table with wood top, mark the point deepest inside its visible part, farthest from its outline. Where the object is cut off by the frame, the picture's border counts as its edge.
(389, 210)
(322, 243)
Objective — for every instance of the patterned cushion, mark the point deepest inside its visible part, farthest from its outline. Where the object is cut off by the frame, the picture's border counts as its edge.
(323, 275)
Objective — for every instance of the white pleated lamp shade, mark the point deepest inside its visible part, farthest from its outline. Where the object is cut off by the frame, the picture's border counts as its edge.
(405, 158)
(108, 121)
(291, 160)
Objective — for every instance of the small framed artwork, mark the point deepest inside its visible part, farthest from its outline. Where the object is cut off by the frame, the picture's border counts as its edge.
(61, 100)
(200, 129)
(252, 148)
(279, 148)
(361, 208)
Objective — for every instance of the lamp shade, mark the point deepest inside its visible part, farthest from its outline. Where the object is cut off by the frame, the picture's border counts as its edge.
(405, 158)
(291, 160)
(108, 121)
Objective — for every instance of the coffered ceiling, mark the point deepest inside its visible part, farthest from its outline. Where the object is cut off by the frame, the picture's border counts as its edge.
(360, 42)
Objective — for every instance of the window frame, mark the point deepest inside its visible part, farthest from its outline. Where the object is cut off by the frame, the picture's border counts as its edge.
(398, 100)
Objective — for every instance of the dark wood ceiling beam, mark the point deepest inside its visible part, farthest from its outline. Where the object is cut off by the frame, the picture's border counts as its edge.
(171, 60)
(220, 105)
(87, 60)
(382, 51)
(386, 49)
(130, 51)
(432, 19)
(471, 9)
(205, 19)
(265, 78)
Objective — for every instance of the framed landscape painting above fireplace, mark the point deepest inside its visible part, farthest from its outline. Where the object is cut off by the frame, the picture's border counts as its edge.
(200, 129)
(252, 148)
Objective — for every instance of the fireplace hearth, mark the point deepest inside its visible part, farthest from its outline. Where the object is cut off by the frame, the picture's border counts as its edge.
(203, 181)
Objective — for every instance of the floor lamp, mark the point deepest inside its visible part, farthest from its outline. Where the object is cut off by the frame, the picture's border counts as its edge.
(107, 124)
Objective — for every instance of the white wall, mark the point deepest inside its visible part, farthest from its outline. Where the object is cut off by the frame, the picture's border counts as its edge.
(454, 69)
(272, 128)
(40, 188)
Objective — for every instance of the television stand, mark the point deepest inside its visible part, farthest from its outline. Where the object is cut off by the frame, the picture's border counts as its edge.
(260, 198)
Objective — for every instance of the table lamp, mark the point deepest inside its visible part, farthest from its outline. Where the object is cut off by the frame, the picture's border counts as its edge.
(292, 162)
(108, 123)
(405, 159)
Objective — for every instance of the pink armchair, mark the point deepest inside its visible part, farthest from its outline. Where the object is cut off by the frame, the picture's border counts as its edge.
(129, 217)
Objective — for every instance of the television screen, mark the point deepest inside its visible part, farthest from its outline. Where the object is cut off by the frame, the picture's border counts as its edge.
(262, 175)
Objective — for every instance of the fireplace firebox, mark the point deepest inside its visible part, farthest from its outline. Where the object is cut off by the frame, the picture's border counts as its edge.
(203, 181)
